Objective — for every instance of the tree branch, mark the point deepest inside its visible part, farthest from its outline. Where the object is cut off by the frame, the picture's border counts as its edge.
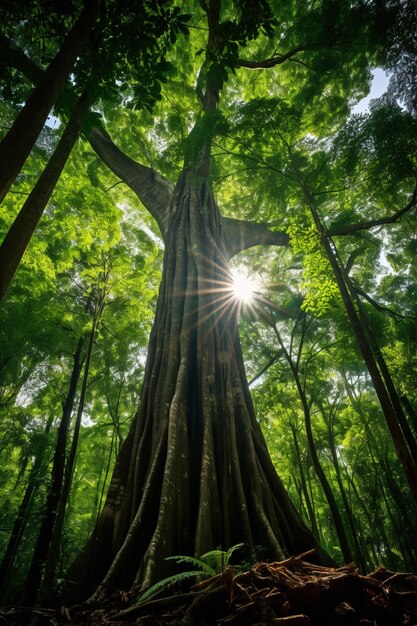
(241, 234)
(273, 61)
(266, 367)
(152, 189)
(12, 56)
(377, 305)
(347, 230)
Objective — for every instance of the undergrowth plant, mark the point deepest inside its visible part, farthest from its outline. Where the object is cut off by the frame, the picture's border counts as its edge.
(210, 564)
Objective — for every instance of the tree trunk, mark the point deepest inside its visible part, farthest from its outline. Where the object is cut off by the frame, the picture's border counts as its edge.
(34, 576)
(56, 534)
(359, 559)
(391, 417)
(303, 482)
(383, 367)
(20, 139)
(23, 227)
(388, 484)
(194, 472)
(20, 521)
(325, 485)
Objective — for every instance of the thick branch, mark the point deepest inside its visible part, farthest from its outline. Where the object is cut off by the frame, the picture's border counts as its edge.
(241, 234)
(347, 230)
(153, 190)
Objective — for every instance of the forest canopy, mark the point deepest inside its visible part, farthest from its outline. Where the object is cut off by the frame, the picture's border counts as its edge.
(157, 158)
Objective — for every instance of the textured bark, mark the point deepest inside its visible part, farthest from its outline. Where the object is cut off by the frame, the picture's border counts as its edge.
(20, 233)
(194, 471)
(151, 187)
(20, 139)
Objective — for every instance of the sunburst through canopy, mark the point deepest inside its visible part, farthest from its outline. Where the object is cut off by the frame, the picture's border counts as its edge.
(244, 286)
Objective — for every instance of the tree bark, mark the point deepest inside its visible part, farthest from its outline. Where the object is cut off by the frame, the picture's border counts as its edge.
(20, 233)
(385, 372)
(20, 139)
(194, 471)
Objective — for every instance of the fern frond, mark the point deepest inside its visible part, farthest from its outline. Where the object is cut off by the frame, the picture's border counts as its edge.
(215, 559)
(164, 583)
(219, 559)
(191, 560)
(232, 549)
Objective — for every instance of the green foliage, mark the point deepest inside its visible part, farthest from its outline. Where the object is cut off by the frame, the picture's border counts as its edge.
(209, 564)
(320, 289)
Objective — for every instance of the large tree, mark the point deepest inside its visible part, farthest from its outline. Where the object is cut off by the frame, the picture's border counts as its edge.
(194, 471)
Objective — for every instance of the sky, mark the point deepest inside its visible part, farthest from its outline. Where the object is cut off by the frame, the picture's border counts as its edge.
(378, 87)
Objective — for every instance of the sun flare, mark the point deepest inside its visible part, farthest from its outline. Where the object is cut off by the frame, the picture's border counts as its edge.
(244, 287)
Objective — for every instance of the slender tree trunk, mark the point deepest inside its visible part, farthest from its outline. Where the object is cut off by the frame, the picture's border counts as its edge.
(372, 562)
(23, 227)
(391, 417)
(382, 486)
(410, 410)
(383, 367)
(405, 525)
(194, 471)
(303, 482)
(34, 576)
(328, 492)
(20, 139)
(331, 501)
(56, 534)
(21, 521)
(348, 510)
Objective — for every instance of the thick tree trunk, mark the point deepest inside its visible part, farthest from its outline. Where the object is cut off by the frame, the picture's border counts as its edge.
(20, 233)
(194, 472)
(20, 139)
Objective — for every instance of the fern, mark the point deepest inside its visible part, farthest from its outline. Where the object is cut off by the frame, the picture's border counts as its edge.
(165, 583)
(218, 559)
(205, 566)
(210, 564)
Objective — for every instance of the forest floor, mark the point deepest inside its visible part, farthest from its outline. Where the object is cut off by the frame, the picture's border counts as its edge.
(293, 592)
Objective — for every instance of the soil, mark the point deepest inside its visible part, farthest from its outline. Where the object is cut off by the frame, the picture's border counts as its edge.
(293, 592)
